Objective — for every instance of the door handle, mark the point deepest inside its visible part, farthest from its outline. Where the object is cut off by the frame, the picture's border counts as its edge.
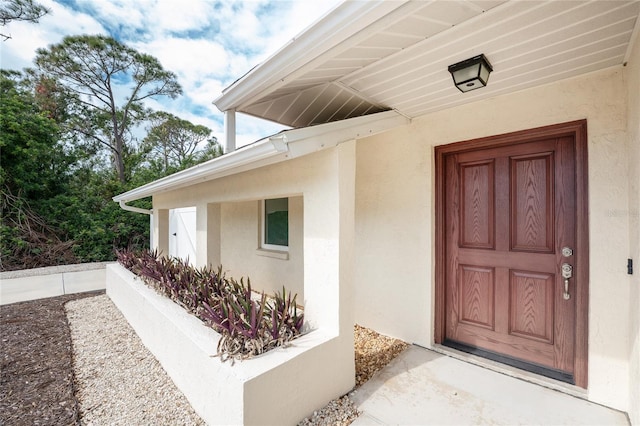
(567, 272)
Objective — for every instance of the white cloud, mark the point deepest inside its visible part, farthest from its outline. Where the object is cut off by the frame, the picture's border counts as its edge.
(300, 15)
(204, 93)
(181, 15)
(208, 44)
(251, 129)
(26, 37)
(154, 16)
(179, 111)
(241, 25)
(115, 12)
(189, 58)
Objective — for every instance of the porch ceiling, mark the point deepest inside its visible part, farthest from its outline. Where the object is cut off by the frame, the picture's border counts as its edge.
(366, 57)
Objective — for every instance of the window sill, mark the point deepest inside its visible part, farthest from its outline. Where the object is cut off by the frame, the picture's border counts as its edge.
(275, 254)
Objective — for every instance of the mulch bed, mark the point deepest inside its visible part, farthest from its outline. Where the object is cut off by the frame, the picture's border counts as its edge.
(36, 370)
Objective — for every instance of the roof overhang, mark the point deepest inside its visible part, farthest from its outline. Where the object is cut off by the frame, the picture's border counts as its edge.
(369, 56)
(342, 23)
(280, 147)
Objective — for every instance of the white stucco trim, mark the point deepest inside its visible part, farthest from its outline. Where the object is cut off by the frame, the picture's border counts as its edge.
(273, 149)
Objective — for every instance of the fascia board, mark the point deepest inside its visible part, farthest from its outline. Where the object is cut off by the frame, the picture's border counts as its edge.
(338, 25)
(315, 138)
(274, 149)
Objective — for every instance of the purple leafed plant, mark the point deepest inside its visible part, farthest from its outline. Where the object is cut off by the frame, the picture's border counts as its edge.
(248, 325)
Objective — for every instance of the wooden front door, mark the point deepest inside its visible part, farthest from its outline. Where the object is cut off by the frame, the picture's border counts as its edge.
(511, 211)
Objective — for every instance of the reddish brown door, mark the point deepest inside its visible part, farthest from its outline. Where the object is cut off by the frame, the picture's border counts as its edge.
(509, 210)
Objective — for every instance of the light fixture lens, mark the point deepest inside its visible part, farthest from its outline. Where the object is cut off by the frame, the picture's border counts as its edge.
(466, 74)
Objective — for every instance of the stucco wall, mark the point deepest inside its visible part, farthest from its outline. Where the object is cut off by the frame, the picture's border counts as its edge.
(393, 235)
(240, 255)
(323, 180)
(395, 214)
(325, 183)
(632, 76)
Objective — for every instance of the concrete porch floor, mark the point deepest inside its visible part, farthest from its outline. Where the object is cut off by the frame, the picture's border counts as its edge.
(423, 387)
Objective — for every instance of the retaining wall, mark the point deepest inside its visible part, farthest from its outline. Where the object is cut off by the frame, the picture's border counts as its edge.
(277, 388)
(40, 283)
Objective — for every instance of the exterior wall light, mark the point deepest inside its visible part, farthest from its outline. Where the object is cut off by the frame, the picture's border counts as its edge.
(471, 74)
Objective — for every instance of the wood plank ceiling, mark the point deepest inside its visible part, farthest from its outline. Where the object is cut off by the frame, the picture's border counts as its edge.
(400, 61)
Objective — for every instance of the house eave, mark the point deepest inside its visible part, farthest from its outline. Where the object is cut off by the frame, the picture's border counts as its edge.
(341, 23)
(283, 146)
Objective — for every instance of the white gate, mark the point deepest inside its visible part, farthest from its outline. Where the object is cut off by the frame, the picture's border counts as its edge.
(182, 233)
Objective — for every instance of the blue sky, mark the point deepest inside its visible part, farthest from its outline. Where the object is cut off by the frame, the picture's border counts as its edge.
(207, 43)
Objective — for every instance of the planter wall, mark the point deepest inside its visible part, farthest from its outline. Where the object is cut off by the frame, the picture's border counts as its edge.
(280, 387)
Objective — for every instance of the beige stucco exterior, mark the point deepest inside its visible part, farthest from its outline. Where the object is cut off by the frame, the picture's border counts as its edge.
(322, 201)
(632, 80)
(314, 184)
(240, 232)
(362, 228)
(395, 216)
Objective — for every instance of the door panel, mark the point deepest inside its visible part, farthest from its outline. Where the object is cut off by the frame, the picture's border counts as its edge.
(476, 296)
(508, 212)
(531, 304)
(532, 194)
(477, 219)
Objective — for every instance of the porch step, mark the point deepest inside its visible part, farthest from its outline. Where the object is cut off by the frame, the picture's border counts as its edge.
(425, 387)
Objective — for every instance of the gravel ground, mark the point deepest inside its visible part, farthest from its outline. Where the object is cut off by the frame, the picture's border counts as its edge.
(339, 412)
(118, 380)
(373, 351)
(107, 352)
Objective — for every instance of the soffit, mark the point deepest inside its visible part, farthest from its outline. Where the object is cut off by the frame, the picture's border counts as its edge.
(398, 58)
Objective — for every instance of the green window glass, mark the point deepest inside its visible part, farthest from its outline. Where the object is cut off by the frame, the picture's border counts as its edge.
(276, 222)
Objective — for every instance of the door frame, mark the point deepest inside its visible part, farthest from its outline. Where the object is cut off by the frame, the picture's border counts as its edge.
(575, 129)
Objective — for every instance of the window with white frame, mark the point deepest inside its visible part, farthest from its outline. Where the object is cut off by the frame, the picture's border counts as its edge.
(275, 224)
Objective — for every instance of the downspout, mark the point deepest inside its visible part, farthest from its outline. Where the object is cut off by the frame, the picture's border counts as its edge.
(123, 206)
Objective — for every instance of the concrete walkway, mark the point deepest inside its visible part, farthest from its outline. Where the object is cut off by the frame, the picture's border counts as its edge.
(422, 387)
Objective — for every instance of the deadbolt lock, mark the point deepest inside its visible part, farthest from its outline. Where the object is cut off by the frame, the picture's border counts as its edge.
(567, 251)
